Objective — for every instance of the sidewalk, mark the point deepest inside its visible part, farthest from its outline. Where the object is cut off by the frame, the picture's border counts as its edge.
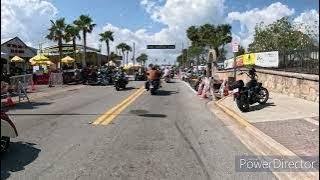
(292, 122)
(45, 91)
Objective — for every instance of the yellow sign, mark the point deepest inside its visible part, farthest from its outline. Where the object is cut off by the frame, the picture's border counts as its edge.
(249, 59)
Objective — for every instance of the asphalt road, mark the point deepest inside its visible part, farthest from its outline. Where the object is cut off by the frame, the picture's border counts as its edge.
(171, 135)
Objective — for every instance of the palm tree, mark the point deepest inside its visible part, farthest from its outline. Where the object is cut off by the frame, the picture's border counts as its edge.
(128, 49)
(122, 48)
(142, 58)
(57, 33)
(84, 23)
(106, 37)
(72, 33)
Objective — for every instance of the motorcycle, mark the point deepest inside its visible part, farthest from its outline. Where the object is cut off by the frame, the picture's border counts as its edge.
(140, 76)
(153, 86)
(251, 93)
(120, 82)
(167, 78)
(8, 130)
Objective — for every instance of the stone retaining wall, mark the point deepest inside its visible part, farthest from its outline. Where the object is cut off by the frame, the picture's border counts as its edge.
(303, 86)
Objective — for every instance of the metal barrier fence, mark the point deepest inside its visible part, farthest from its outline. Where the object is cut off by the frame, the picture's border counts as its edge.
(56, 79)
(25, 80)
(299, 61)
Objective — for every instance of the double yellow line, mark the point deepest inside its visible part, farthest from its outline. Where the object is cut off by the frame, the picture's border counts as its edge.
(108, 116)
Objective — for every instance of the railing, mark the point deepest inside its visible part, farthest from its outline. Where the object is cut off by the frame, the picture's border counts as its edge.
(300, 61)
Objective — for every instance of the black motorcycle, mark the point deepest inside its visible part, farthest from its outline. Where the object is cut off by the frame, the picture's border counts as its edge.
(251, 93)
(140, 76)
(120, 81)
(153, 86)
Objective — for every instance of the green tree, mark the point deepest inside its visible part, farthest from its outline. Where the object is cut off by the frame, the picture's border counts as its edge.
(142, 58)
(127, 49)
(57, 33)
(86, 25)
(72, 34)
(106, 37)
(122, 48)
(280, 35)
(214, 37)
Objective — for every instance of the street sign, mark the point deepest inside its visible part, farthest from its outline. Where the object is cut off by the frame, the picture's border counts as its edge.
(161, 46)
(235, 46)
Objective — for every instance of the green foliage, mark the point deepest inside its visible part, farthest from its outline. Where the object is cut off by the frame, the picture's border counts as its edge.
(280, 35)
(106, 37)
(57, 33)
(215, 37)
(142, 58)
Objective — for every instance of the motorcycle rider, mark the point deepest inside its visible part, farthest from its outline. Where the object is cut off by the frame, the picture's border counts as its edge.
(153, 75)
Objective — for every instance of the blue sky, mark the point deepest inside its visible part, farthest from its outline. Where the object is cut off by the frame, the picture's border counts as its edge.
(130, 14)
(150, 21)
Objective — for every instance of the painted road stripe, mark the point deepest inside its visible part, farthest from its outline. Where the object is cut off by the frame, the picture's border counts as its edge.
(310, 120)
(118, 111)
(112, 110)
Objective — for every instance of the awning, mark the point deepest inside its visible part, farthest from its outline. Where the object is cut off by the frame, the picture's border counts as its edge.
(17, 59)
(67, 60)
(39, 57)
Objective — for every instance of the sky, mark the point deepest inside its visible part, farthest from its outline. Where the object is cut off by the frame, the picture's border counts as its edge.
(150, 21)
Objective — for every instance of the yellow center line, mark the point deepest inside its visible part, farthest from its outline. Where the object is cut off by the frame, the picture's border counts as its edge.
(112, 110)
(118, 111)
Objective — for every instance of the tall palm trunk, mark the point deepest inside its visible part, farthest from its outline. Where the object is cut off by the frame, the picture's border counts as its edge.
(127, 57)
(84, 62)
(123, 58)
(60, 51)
(74, 48)
(108, 50)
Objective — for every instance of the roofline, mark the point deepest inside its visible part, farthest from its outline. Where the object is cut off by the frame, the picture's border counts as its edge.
(70, 45)
(20, 40)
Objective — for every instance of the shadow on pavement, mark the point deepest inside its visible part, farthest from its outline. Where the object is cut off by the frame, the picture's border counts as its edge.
(128, 88)
(165, 93)
(261, 106)
(32, 105)
(19, 155)
(153, 115)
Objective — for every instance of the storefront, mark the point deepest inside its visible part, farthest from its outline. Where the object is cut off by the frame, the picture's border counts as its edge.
(93, 56)
(16, 47)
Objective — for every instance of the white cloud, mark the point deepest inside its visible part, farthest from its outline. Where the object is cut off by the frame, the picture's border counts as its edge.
(28, 19)
(249, 19)
(176, 15)
(308, 22)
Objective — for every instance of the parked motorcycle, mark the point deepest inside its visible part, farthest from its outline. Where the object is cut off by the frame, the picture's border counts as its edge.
(120, 81)
(251, 93)
(8, 130)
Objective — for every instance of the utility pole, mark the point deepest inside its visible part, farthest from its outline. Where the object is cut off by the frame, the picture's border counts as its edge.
(133, 53)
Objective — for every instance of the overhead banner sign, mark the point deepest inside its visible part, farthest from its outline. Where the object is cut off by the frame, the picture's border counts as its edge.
(267, 59)
(161, 46)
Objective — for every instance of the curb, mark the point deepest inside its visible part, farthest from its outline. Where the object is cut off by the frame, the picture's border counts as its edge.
(264, 144)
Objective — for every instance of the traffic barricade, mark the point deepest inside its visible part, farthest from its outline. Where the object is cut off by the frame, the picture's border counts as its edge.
(55, 79)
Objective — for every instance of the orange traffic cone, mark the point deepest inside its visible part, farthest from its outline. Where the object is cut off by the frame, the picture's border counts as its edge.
(10, 102)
